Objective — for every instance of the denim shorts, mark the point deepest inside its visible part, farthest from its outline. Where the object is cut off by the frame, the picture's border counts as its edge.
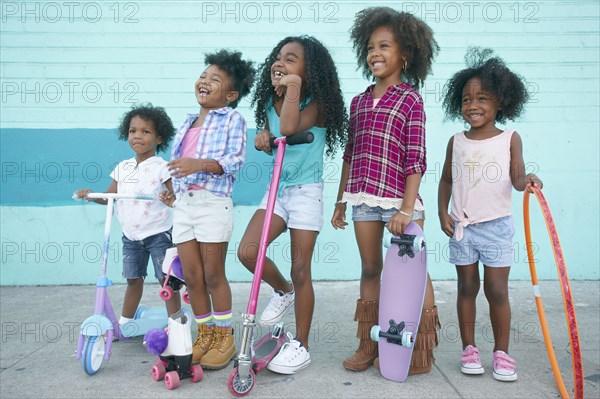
(489, 242)
(137, 253)
(300, 207)
(366, 213)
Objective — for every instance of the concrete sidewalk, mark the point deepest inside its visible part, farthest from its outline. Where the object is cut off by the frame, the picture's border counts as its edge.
(40, 327)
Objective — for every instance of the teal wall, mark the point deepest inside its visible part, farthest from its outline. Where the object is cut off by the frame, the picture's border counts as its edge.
(69, 70)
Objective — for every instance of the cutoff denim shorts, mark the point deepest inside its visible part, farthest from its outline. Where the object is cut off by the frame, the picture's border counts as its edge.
(489, 242)
(136, 255)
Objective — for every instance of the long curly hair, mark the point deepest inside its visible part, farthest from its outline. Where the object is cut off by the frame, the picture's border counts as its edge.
(148, 112)
(507, 87)
(414, 37)
(322, 85)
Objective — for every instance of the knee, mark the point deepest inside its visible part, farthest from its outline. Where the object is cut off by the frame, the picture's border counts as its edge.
(496, 294)
(300, 275)
(371, 271)
(468, 288)
(247, 254)
(214, 280)
(135, 282)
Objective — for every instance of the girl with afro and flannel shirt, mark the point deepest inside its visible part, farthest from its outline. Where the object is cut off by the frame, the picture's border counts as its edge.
(384, 161)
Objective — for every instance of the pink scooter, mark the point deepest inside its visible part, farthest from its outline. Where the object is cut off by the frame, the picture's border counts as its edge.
(253, 357)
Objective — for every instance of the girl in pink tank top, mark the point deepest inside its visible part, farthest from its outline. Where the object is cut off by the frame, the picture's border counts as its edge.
(482, 166)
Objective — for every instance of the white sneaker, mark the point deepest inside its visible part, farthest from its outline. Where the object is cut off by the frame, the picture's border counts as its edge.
(292, 357)
(280, 302)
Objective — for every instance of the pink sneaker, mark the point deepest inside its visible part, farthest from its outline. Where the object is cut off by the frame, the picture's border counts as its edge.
(505, 368)
(470, 362)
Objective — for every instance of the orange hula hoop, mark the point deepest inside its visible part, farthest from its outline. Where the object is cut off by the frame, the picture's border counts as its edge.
(566, 294)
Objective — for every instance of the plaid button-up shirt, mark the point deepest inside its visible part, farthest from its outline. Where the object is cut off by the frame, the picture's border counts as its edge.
(223, 139)
(387, 143)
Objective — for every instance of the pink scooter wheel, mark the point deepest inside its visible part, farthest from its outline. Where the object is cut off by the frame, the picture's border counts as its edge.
(172, 380)
(197, 373)
(235, 385)
(166, 293)
(158, 371)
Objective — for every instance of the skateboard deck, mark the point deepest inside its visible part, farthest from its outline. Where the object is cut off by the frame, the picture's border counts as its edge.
(400, 302)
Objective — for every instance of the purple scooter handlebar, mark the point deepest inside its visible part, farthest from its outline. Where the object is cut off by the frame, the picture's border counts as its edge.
(279, 143)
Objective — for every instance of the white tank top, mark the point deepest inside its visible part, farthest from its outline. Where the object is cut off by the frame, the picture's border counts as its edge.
(481, 183)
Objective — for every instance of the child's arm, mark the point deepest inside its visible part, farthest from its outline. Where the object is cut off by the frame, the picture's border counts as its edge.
(112, 189)
(262, 141)
(167, 197)
(182, 167)
(292, 120)
(445, 191)
(520, 180)
(339, 214)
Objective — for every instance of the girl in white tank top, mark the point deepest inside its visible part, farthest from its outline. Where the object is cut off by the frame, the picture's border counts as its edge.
(482, 165)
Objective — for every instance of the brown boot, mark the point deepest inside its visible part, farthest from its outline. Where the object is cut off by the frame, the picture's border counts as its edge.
(367, 313)
(427, 339)
(221, 351)
(202, 342)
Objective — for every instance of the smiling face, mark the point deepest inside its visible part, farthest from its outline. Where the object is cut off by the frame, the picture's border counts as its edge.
(289, 60)
(143, 138)
(384, 56)
(479, 106)
(214, 88)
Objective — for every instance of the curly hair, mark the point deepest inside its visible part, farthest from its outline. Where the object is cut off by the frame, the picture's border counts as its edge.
(414, 37)
(322, 85)
(506, 86)
(240, 71)
(158, 115)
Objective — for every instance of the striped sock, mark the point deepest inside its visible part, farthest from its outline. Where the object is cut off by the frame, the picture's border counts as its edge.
(223, 319)
(206, 318)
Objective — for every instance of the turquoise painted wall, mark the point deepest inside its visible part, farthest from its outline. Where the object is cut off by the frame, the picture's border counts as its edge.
(69, 70)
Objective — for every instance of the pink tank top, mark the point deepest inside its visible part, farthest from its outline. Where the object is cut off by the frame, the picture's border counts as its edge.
(188, 148)
(481, 183)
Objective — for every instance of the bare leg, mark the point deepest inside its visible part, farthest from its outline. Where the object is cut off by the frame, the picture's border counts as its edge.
(495, 286)
(303, 245)
(248, 250)
(213, 259)
(133, 296)
(368, 238)
(468, 287)
(193, 273)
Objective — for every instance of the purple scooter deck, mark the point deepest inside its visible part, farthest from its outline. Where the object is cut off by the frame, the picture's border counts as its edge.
(401, 300)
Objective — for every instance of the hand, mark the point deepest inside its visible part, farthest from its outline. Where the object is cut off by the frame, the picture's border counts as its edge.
(262, 141)
(338, 221)
(167, 198)
(182, 167)
(532, 180)
(83, 194)
(398, 223)
(447, 224)
(291, 80)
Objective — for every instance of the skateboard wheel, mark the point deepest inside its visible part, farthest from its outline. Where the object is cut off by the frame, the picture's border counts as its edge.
(407, 339)
(375, 330)
(419, 244)
(387, 239)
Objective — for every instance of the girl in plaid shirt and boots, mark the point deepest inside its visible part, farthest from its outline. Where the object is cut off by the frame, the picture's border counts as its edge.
(384, 161)
(207, 151)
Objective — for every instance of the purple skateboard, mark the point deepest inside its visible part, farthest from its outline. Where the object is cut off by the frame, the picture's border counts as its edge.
(400, 301)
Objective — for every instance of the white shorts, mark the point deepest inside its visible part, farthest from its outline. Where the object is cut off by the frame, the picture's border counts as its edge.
(300, 207)
(202, 216)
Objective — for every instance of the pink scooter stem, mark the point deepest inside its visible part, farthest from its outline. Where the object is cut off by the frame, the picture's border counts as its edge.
(280, 142)
(262, 249)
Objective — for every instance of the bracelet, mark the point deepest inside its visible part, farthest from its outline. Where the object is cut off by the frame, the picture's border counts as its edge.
(405, 214)
(340, 202)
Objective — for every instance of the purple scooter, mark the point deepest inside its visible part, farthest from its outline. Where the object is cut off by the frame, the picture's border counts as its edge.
(98, 331)
(253, 357)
